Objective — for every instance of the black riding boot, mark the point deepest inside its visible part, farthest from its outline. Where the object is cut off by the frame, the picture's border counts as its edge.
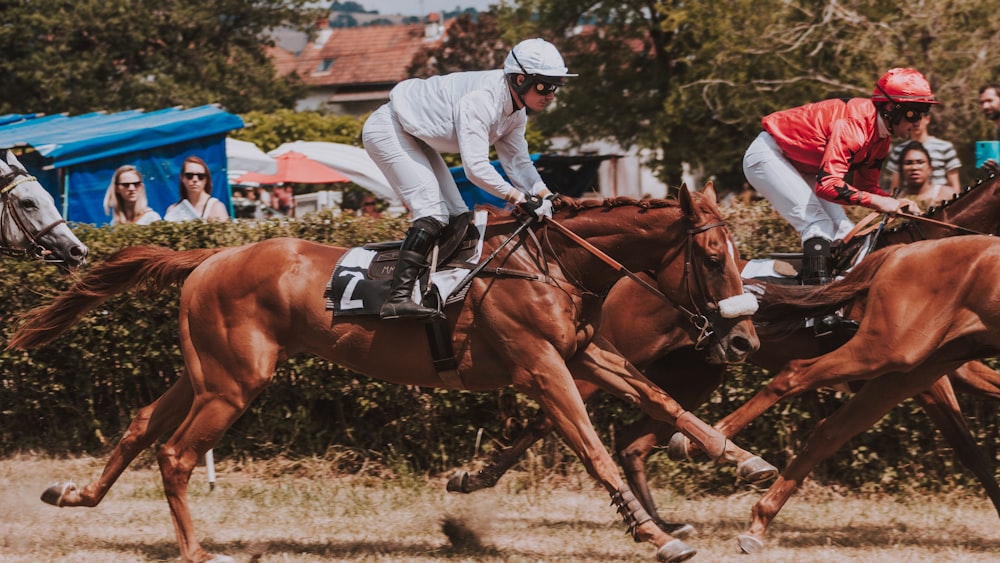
(816, 271)
(816, 262)
(412, 264)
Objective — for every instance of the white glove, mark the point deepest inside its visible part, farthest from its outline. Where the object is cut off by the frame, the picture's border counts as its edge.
(536, 206)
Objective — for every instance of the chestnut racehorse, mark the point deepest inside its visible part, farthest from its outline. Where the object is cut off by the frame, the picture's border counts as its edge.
(244, 309)
(30, 223)
(924, 309)
(648, 333)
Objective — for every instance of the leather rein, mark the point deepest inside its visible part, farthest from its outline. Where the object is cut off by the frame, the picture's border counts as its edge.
(10, 212)
(698, 319)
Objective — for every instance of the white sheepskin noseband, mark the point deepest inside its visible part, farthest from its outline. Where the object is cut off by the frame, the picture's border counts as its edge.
(738, 306)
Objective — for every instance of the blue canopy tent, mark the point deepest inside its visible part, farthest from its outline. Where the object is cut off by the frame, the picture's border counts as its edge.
(76, 157)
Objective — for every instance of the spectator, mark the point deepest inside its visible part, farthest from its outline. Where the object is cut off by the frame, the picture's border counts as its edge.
(125, 199)
(989, 102)
(802, 159)
(196, 195)
(944, 159)
(917, 179)
(283, 200)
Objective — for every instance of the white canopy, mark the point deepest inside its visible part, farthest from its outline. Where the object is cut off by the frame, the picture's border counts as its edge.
(350, 161)
(244, 156)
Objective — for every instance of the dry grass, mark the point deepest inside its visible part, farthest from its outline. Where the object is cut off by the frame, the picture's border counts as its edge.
(300, 512)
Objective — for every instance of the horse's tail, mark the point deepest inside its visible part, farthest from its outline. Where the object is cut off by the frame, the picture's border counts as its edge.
(148, 267)
(783, 302)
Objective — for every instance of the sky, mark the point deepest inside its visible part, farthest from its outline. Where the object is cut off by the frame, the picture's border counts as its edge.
(423, 7)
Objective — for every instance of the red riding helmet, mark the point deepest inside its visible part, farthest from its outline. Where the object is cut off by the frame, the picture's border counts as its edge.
(903, 85)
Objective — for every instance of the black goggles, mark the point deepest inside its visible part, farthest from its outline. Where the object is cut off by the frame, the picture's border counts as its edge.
(914, 112)
(546, 88)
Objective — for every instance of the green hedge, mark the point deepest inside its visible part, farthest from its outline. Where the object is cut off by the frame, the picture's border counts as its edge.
(78, 394)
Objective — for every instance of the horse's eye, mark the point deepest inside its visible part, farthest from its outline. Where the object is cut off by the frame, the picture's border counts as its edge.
(29, 204)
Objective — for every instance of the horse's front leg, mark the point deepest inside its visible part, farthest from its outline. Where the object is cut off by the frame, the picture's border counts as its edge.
(549, 382)
(617, 376)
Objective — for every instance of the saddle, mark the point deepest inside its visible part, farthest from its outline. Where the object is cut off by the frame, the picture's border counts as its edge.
(360, 281)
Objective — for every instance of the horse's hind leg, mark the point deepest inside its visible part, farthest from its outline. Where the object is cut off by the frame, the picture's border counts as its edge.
(941, 405)
(204, 426)
(151, 422)
(502, 460)
(860, 412)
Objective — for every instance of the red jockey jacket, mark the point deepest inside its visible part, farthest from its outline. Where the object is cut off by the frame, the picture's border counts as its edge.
(830, 139)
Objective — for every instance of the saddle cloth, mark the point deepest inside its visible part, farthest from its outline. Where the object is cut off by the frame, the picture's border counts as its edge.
(361, 278)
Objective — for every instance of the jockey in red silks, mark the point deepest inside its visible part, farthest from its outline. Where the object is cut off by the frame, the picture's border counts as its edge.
(800, 162)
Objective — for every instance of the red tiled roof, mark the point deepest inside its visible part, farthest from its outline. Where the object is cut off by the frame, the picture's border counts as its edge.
(356, 55)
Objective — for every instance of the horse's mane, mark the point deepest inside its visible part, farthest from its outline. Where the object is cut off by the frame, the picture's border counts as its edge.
(784, 306)
(565, 205)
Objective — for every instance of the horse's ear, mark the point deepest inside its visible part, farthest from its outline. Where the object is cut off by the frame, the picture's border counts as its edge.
(687, 202)
(709, 191)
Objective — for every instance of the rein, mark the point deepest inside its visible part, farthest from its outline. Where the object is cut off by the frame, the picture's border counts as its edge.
(940, 224)
(10, 212)
(697, 318)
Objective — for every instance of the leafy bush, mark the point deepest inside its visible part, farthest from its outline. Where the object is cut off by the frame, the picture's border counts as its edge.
(78, 394)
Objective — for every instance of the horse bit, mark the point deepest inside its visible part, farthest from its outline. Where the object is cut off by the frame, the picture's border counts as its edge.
(11, 211)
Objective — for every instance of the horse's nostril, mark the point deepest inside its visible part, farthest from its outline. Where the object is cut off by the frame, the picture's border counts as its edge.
(78, 251)
(742, 344)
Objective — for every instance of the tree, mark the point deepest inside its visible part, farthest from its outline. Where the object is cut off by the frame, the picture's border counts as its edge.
(115, 55)
(269, 130)
(691, 80)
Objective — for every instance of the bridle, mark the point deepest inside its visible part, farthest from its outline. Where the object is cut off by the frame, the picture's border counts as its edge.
(699, 320)
(11, 212)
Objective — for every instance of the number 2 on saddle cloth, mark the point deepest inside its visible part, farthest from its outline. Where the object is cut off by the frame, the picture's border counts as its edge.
(360, 280)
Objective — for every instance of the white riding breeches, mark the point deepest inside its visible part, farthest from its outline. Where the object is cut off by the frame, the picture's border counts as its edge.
(415, 171)
(791, 192)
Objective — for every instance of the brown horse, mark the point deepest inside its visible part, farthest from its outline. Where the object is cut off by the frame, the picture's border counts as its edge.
(244, 309)
(919, 317)
(30, 223)
(648, 333)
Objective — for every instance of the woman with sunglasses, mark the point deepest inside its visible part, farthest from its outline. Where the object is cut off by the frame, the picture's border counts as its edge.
(125, 199)
(801, 161)
(464, 113)
(196, 190)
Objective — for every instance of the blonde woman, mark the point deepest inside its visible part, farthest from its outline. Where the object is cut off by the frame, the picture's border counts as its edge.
(125, 199)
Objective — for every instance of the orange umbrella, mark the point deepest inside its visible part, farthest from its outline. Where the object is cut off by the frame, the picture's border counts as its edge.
(296, 168)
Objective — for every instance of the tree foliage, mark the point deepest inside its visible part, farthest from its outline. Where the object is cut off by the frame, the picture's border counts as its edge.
(269, 130)
(114, 55)
(691, 80)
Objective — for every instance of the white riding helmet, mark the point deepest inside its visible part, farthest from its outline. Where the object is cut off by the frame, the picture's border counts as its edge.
(536, 57)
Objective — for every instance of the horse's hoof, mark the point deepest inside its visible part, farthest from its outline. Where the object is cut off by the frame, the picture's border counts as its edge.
(56, 491)
(679, 531)
(749, 544)
(459, 482)
(677, 447)
(675, 550)
(755, 470)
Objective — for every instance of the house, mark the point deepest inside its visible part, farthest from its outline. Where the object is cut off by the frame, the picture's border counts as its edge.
(350, 70)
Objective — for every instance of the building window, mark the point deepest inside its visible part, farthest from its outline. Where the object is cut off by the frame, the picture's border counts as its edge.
(325, 65)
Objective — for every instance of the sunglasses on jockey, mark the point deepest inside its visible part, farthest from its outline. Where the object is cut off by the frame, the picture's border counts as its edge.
(543, 85)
